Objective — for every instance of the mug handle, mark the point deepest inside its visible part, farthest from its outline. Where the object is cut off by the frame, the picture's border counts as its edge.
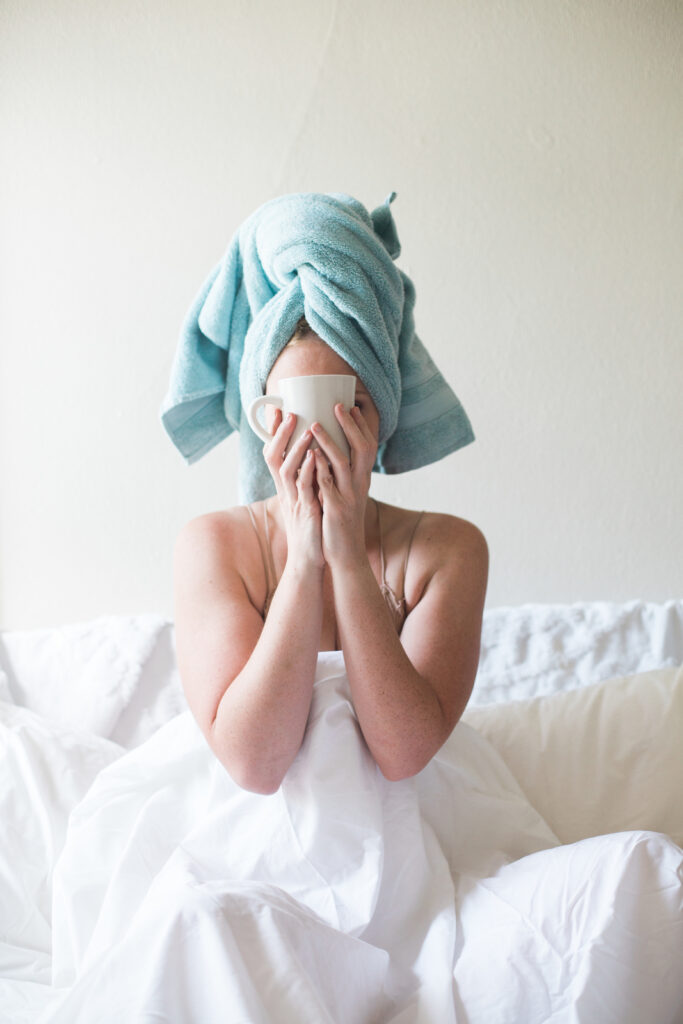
(252, 414)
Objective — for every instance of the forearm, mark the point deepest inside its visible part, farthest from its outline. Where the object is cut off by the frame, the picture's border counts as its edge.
(262, 716)
(399, 713)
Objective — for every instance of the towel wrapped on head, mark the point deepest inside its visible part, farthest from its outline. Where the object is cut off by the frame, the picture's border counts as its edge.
(321, 256)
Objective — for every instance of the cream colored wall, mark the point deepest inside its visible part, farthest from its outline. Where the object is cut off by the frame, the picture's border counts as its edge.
(536, 149)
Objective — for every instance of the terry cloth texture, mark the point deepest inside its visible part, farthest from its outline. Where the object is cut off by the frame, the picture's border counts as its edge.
(322, 256)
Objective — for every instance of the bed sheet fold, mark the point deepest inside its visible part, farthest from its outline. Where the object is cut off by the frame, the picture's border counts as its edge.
(175, 895)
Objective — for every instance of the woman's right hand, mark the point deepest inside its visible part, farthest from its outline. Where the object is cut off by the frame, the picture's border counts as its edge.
(294, 478)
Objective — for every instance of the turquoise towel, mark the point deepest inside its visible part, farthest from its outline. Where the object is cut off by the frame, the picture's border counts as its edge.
(322, 256)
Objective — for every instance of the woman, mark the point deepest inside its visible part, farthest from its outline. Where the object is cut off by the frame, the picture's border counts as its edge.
(335, 891)
(248, 666)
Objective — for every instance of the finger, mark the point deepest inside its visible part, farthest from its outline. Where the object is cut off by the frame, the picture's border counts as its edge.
(358, 434)
(274, 451)
(348, 420)
(282, 431)
(277, 418)
(305, 475)
(323, 471)
(277, 423)
(307, 464)
(361, 422)
(334, 456)
(345, 471)
(292, 463)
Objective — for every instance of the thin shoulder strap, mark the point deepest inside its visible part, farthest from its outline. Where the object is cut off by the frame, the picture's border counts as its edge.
(273, 574)
(405, 563)
(263, 552)
(381, 543)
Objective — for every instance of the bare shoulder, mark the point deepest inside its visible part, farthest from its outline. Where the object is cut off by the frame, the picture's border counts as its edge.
(218, 532)
(441, 541)
(210, 523)
(221, 543)
(451, 538)
(434, 525)
(452, 545)
(444, 528)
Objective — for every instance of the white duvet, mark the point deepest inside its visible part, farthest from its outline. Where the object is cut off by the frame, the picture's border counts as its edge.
(146, 886)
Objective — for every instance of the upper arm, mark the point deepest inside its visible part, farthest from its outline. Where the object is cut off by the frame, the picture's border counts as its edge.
(442, 633)
(216, 625)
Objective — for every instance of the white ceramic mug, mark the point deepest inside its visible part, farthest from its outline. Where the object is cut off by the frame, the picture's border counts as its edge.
(310, 397)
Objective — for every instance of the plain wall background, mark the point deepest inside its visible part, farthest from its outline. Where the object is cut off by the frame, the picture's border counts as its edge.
(537, 152)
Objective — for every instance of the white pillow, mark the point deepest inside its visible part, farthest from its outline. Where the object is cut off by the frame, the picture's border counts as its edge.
(600, 759)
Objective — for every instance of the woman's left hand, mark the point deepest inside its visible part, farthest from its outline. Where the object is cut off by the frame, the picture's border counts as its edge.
(343, 487)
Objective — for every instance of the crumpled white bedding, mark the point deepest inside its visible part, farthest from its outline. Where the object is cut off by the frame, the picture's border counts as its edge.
(178, 897)
(117, 675)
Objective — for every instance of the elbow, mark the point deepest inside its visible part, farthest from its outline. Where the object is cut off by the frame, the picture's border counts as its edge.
(392, 775)
(246, 771)
(405, 769)
(411, 763)
(424, 745)
(263, 788)
(253, 782)
(254, 778)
